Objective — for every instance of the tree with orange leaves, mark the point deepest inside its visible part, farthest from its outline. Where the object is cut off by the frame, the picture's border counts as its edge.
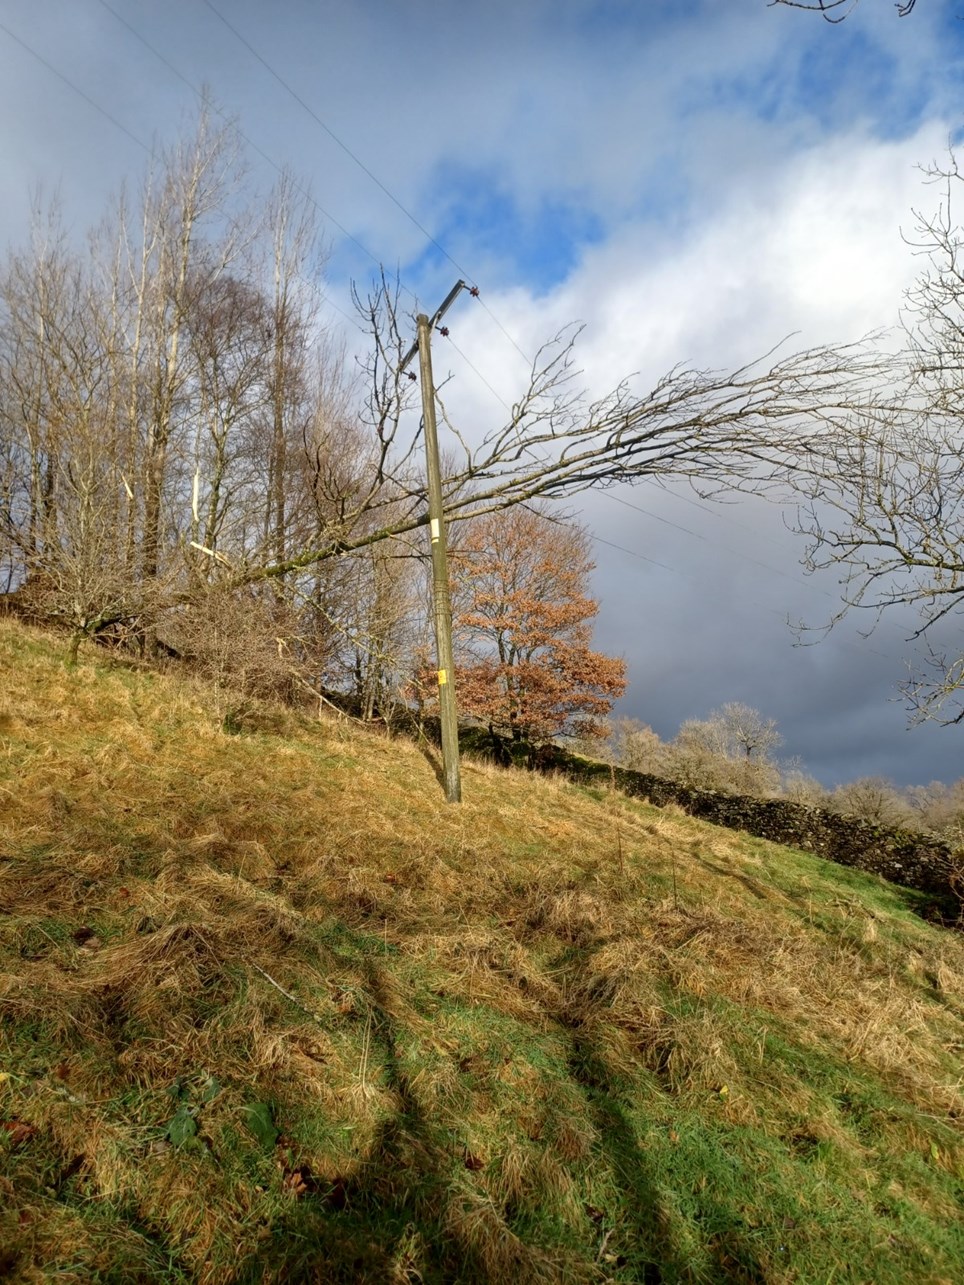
(522, 618)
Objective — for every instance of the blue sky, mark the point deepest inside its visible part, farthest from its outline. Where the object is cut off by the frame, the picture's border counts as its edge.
(693, 181)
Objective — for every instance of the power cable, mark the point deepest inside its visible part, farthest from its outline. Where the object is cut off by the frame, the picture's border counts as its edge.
(463, 272)
(334, 137)
(76, 88)
(528, 360)
(770, 611)
(326, 214)
(326, 299)
(634, 553)
(478, 374)
(745, 557)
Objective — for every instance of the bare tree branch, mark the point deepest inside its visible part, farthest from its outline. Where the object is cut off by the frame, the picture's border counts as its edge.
(830, 8)
(722, 431)
(884, 485)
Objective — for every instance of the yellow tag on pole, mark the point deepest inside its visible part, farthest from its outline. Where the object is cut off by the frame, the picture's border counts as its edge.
(436, 529)
(442, 677)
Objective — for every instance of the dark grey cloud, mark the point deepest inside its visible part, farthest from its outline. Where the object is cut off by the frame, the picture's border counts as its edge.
(721, 625)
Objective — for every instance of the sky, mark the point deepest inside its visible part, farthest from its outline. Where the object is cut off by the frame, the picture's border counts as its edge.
(693, 181)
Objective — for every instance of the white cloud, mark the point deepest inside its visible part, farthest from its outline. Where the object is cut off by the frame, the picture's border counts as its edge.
(813, 247)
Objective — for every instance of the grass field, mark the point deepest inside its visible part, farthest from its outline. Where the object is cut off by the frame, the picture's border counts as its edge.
(270, 1010)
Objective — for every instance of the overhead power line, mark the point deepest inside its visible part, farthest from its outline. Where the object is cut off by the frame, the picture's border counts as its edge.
(76, 88)
(55, 71)
(306, 107)
(678, 526)
(430, 239)
(308, 196)
(241, 134)
(334, 137)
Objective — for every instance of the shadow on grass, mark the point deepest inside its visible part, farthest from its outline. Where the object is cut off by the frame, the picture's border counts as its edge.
(357, 1229)
(648, 1248)
(646, 1240)
(432, 758)
(410, 1210)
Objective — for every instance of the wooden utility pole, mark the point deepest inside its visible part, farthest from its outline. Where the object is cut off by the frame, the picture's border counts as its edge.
(441, 598)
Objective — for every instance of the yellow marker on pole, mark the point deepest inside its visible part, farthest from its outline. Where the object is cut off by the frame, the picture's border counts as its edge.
(442, 677)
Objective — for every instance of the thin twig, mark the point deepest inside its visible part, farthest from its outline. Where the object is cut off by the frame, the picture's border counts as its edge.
(287, 994)
(615, 815)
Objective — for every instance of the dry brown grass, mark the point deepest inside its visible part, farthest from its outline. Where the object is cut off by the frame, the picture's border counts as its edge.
(487, 1034)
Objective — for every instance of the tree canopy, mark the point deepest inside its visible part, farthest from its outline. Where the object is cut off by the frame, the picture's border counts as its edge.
(523, 621)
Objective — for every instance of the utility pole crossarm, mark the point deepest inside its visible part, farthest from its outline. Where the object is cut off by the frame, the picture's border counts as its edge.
(439, 314)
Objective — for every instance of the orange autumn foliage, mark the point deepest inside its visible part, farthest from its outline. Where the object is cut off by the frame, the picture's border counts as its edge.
(522, 619)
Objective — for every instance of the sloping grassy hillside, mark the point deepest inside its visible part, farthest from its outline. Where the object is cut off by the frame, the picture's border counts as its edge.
(271, 1011)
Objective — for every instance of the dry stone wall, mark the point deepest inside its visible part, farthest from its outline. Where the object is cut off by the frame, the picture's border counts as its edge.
(913, 860)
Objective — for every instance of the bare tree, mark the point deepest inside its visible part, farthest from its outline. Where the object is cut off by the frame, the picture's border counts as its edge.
(153, 392)
(939, 808)
(731, 749)
(187, 241)
(799, 786)
(885, 482)
(64, 507)
(228, 328)
(872, 799)
(746, 733)
(294, 248)
(384, 625)
(636, 746)
(722, 431)
(35, 293)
